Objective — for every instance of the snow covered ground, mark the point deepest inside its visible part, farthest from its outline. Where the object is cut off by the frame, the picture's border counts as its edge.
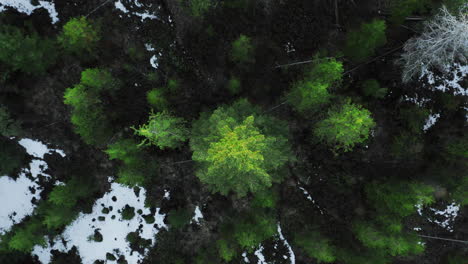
(135, 8)
(444, 218)
(25, 6)
(113, 228)
(17, 195)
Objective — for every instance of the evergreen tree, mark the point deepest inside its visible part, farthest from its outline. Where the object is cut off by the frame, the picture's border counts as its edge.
(27, 236)
(239, 149)
(12, 157)
(88, 116)
(345, 126)
(242, 50)
(312, 92)
(362, 43)
(163, 130)
(78, 35)
(25, 52)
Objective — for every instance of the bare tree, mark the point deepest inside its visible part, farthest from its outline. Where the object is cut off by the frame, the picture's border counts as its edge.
(443, 42)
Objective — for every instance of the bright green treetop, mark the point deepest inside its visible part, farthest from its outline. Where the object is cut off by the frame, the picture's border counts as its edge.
(316, 246)
(78, 35)
(27, 236)
(362, 43)
(345, 126)
(163, 130)
(312, 91)
(238, 149)
(27, 53)
(88, 116)
(242, 50)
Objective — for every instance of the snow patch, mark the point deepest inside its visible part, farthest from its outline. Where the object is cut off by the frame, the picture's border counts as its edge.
(114, 231)
(134, 4)
(154, 62)
(448, 216)
(430, 121)
(25, 6)
(292, 256)
(246, 259)
(451, 81)
(260, 256)
(197, 215)
(38, 149)
(306, 193)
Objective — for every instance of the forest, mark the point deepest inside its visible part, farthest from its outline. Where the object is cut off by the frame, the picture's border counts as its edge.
(234, 131)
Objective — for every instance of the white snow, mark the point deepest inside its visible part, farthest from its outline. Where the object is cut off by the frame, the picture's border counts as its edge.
(126, 9)
(416, 99)
(292, 256)
(197, 215)
(259, 254)
(154, 62)
(448, 82)
(16, 194)
(306, 193)
(25, 6)
(246, 259)
(448, 214)
(167, 194)
(17, 200)
(114, 231)
(149, 47)
(430, 121)
(38, 149)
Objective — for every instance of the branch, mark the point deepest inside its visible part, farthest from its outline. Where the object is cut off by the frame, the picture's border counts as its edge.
(95, 9)
(446, 239)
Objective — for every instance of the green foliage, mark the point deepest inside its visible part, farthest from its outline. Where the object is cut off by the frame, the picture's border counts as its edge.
(67, 196)
(242, 50)
(226, 250)
(399, 197)
(27, 236)
(8, 126)
(12, 157)
(372, 88)
(401, 9)
(407, 145)
(199, 8)
(239, 149)
(252, 229)
(128, 212)
(312, 92)
(458, 148)
(362, 43)
(25, 52)
(345, 126)
(157, 99)
(265, 198)
(163, 130)
(460, 193)
(88, 116)
(316, 246)
(393, 244)
(136, 166)
(234, 85)
(179, 218)
(57, 216)
(78, 35)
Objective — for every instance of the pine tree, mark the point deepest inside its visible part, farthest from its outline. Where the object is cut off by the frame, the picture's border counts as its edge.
(238, 149)
(362, 43)
(79, 35)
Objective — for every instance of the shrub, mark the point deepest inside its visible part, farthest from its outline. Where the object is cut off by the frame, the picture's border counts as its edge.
(312, 92)
(12, 157)
(252, 229)
(8, 126)
(27, 53)
(163, 131)
(234, 85)
(265, 198)
(372, 88)
(362, 43)
(400, 9)
(345, 126)
(198, 8)
(316, 246)
(239, 149)
(242, 50)
(179, 218)
(78, 35)
(157, 99)
(26, 237)
(128, 212)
